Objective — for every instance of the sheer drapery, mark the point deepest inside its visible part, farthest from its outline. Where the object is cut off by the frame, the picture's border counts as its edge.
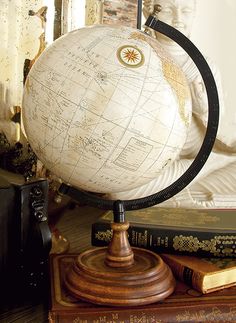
(19, 40)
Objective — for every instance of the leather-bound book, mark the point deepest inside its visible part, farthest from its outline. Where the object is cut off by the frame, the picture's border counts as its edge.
(195, 232)
(184, 305)
(203, 274)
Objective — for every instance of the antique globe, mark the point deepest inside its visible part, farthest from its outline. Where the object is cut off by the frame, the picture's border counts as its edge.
(106, 109)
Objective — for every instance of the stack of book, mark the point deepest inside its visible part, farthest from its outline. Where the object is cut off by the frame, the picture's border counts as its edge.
(184, 305)
(199, 245)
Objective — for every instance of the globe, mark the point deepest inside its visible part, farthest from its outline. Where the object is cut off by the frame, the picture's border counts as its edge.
(106, 109)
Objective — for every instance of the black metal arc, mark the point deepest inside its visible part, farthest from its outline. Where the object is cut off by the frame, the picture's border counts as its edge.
(207, 144)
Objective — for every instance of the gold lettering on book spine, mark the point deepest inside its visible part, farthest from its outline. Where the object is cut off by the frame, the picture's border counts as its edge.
(220, 246)
(115, 319)
(214, 314)
(104, 235)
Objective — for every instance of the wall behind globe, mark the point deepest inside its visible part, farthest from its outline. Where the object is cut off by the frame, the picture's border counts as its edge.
(213, 33)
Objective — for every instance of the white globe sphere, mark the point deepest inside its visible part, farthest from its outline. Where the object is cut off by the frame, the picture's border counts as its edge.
(106, 109)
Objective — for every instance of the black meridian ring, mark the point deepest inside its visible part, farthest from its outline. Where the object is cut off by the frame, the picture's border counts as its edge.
(207, 144)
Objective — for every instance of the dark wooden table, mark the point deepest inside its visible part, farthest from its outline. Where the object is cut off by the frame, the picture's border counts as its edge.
(75, 225)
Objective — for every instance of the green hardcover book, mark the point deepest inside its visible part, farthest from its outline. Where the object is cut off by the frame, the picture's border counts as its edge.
(201, 232)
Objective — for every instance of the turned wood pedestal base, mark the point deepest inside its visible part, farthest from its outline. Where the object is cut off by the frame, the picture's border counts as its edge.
(119, 275)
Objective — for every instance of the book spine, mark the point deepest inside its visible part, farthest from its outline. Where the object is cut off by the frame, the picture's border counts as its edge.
(185, 274)
(194, 313)
(166, 240)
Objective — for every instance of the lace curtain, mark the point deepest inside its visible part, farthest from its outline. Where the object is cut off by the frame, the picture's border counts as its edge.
(19, 40)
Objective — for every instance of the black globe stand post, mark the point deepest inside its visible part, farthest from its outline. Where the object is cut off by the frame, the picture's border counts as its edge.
(119, 275)
(119, 211)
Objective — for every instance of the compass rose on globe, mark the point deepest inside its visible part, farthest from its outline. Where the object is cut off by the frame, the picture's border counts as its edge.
(130, 56)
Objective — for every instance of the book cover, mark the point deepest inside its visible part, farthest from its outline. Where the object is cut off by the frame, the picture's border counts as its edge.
(204, 274)
(201, 232)
(184, 305)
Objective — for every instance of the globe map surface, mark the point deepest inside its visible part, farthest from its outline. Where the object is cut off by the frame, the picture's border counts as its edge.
(106, 109)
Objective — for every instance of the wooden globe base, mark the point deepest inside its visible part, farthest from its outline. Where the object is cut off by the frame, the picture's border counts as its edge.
(119, 275)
